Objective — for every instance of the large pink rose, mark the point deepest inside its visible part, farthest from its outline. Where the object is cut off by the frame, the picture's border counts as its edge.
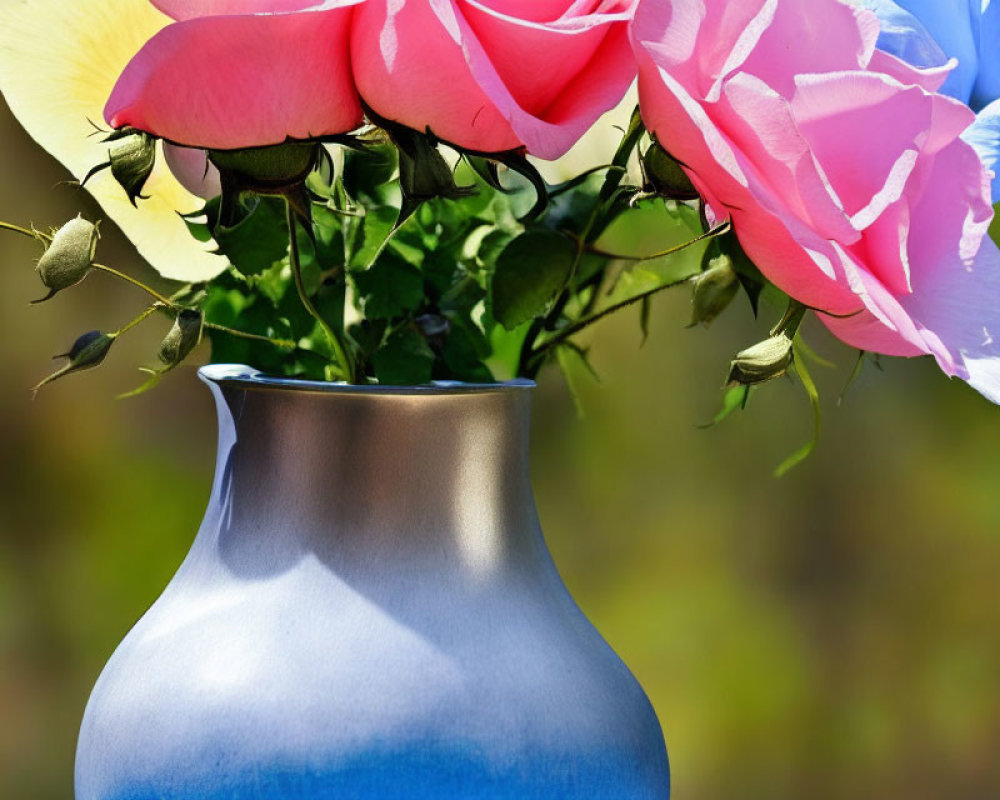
(494, 75)
(841, 169)
(232, 74)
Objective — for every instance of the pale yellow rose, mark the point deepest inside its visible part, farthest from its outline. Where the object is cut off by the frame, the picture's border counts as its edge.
(59, 60)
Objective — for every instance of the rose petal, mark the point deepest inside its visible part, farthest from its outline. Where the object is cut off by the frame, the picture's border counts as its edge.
(953, 305)
(189, 9)
(926, 33)
(58, 62)
(242, 81)
(480, 90)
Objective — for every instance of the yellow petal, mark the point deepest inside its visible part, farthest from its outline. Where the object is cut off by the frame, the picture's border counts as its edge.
(59, 60)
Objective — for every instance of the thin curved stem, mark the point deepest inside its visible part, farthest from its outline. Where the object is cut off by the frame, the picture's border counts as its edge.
(346, 366)
(255, 337)
(141, 318)
(7, 226)
(716, 231)
(137, 283)
(571, 330)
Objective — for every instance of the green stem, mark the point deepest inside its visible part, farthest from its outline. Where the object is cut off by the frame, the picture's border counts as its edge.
(716, 231)
(137, 283)
(571, 330)
(7, 226)
(142, 317)
(347, 368)
(255, 337)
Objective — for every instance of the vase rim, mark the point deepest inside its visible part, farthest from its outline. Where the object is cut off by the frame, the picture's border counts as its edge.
(245, 377)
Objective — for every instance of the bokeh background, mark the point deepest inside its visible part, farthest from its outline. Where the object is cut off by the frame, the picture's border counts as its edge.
(831, 634)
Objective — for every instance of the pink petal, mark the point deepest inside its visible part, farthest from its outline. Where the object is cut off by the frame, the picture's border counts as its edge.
(193, 170)
(805, 38)
(470, 74)
(190, 9)
(242, 81)
(399, 80)
(929, 78)
(952, 312)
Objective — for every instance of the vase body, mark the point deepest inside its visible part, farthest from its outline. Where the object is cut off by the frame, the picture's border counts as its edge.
(368, 611)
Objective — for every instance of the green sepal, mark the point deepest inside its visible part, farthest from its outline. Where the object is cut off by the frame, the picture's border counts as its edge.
(664, 176)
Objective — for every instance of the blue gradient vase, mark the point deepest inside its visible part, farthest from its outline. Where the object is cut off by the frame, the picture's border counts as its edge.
(368, 611)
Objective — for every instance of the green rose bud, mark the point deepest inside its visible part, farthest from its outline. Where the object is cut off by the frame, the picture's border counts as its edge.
(423, 172)
(763, 362)
(267, 169)
(87, 352)
(70, 256)
(132, 158)
(714, 289)
(665, 177)
(183, 337)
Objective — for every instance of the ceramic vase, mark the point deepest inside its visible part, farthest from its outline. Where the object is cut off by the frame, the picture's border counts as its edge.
(369, 610)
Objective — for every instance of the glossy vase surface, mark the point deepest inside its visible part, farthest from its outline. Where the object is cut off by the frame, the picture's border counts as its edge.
(368, 611)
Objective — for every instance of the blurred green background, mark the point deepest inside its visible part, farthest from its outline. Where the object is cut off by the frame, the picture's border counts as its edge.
(832, 634)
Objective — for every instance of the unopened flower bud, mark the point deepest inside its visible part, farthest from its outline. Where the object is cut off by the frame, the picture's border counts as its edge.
(763, 362)
(665, 177)
(132, 156)
(264, 169)
(714, 289)
(88, 351)
(183, 337)
(69, 257)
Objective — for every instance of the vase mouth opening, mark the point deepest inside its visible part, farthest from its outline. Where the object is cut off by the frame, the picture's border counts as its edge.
(244, 377)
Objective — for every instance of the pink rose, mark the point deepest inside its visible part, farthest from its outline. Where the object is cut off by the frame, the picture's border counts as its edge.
(494, 75)
(231, 74)
(843, 173)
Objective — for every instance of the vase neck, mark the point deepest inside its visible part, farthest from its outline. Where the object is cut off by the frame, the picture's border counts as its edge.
(351, 475)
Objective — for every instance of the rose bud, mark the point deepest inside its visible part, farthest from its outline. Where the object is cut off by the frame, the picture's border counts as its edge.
(69, 257)
(183, 337)
(267, 169)
(714, 289)
(88, 351)
(132, 158)
(664, 175)
(763, 362)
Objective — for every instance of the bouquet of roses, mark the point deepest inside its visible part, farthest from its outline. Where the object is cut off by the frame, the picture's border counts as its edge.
(353, 190)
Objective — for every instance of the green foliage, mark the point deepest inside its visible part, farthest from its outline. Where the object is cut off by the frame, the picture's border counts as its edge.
(404, 359)
(258, 240)
(530, 273)
(412, 261)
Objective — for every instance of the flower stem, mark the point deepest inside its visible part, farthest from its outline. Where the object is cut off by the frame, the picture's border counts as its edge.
(137, 283)
(347, 368)
(718, 230)
(255, 337)
(161, 300)
(571, 330)
(7, 226)
(141, 318)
